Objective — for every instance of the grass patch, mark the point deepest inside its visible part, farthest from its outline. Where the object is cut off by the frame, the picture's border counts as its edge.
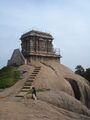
(42, 90)
(9, 76)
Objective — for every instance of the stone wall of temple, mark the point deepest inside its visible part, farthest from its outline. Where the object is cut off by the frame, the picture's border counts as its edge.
(38, 46)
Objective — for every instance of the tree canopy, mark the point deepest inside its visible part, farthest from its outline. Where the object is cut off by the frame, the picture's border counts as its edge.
(83, 72)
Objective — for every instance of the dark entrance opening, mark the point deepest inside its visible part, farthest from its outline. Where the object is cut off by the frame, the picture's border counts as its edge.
(75, 88)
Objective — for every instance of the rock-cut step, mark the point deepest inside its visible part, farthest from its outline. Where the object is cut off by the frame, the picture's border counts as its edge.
(26, 87)
(25, 90)
(28, 84)
(34, 73)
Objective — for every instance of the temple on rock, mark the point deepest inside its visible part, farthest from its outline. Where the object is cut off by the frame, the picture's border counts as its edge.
(38, 46)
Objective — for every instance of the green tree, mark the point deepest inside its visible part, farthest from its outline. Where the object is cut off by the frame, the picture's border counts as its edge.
(80, 70)
(87, 74)
(84, 73)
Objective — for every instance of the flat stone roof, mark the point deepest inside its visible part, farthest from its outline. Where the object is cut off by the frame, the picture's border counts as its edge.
(37, 33)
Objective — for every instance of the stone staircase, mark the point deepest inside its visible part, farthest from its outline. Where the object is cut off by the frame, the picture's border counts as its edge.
(28, 84)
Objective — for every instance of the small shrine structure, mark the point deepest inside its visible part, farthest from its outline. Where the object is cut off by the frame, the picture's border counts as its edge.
(38, 46)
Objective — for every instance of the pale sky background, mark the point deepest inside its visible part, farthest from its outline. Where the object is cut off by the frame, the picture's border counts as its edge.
(67, 20)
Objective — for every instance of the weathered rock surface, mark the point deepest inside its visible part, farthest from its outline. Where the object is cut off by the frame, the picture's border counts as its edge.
(66, 96)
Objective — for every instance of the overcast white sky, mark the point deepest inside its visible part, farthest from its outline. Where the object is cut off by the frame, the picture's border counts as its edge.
(67, 20)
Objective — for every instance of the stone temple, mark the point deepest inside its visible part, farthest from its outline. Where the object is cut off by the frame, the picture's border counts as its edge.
(60, 91)
(36, 46)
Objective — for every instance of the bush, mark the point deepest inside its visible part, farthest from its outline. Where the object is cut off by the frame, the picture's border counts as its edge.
(9, 76)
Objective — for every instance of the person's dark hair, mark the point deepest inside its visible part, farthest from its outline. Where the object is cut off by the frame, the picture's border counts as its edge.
(33, 87)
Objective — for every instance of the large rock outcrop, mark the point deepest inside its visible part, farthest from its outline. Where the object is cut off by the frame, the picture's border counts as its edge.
(59, 90)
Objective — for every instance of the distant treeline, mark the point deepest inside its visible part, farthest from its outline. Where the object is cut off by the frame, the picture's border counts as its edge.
(83, 72)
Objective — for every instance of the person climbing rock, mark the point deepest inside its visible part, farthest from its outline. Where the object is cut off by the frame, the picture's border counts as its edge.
(34, 93)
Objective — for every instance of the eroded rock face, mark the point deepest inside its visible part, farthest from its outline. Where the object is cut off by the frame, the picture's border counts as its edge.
(65, 101)
(75, 87)
(85, 94)
(68, 96)
(87, 97)
(81, 91)
(55, 76)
